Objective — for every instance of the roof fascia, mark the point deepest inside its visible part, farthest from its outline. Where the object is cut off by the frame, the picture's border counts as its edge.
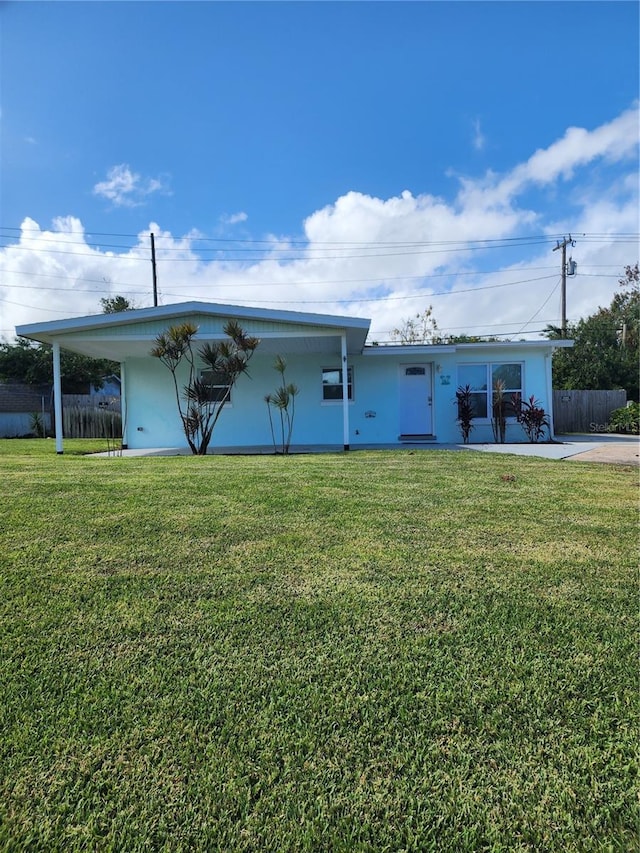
(439, 349)
(546, 344)
(408, 349)
(50, 329)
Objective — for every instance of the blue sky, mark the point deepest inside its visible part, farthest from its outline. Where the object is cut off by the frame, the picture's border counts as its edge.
(363, 158)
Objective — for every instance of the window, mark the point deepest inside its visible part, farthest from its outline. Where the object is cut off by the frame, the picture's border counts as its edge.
(482, 378)
(218, 385)
(332, 383)
(511, 377)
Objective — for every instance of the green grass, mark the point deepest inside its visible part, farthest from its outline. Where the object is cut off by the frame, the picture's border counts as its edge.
(379, 651)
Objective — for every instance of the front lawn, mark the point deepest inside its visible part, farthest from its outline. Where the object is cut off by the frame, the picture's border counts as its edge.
(378, 651)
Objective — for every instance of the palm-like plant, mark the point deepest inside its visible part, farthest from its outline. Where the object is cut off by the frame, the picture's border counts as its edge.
(498, 411)
(199, 410)
(284, 401)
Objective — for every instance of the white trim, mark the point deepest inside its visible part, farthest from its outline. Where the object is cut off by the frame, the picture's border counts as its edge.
(123, 402)
(414, 351)
(549, 378)
(57, 396)
(429, 372)
(345, 390)
(488, 392)
(180, 309)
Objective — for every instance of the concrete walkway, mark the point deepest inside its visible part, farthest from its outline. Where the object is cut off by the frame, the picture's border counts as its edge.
(613, 449)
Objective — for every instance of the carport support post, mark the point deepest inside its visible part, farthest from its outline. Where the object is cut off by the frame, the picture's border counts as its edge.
(345, 391)
(123, 404)
(57, 396)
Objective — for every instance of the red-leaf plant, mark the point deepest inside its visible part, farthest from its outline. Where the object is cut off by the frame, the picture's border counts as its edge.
(531, 416)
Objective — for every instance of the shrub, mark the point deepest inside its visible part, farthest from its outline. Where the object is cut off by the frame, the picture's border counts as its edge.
(464, 402)
(531, 416)
(37, 424)
(626, 419)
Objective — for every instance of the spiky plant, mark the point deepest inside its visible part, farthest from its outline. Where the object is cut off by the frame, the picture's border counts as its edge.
(284, 401)
(498, 412)
(531, 416)
(199, 410)
(464, 401)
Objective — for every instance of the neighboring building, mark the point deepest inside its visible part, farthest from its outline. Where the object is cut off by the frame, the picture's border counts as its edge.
(20, 406)
(110, 387)
(394, 394)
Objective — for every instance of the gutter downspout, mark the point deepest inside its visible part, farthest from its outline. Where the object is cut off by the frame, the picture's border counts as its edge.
(123, 404)
(345, 391)
(57, 397)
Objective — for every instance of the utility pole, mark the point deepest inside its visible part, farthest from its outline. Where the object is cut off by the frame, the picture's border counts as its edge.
(566, 242)
(153, 266)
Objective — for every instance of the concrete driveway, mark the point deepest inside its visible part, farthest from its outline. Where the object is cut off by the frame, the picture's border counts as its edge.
(593, 447)
(615, 450)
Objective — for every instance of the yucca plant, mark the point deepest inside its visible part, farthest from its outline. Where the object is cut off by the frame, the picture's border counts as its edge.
(284, 401)
(199, 409)
(38, 426)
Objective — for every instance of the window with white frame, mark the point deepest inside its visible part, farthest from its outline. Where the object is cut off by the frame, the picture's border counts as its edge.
(482, 379)
(332, 383)
(217, 385)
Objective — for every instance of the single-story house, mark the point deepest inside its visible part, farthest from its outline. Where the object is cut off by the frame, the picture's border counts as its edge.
(110, 388)
(350, 393)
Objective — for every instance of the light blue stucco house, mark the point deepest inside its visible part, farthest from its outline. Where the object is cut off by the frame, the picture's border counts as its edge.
(351, 394)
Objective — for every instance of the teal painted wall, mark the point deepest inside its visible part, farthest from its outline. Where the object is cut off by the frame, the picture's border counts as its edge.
(152, 418)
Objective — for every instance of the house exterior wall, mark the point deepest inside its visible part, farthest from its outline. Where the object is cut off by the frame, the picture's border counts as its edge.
(374, 413)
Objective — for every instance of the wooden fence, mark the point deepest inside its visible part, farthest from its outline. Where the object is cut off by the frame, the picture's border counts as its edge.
(106, 402)
(585, 411)
(85, 416)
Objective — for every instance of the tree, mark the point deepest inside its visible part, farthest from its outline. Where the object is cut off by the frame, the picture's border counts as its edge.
(32, 364)
(423, 329)
(631, 277)
(116, 304)
(606, 345)
(201, 400)
(419, 329)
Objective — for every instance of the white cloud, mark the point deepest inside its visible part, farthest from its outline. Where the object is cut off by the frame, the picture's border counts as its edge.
(612, 142)
(371, 257)
(233, 218)
(479, 139)
(125, 188)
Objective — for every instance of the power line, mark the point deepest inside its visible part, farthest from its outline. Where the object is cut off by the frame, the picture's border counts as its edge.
(535, 314)
(263, 246)
(235, 285)
(356, 299)
(312, 301)
(342, 243)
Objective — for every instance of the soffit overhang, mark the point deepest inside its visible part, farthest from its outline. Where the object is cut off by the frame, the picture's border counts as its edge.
(131, 334)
